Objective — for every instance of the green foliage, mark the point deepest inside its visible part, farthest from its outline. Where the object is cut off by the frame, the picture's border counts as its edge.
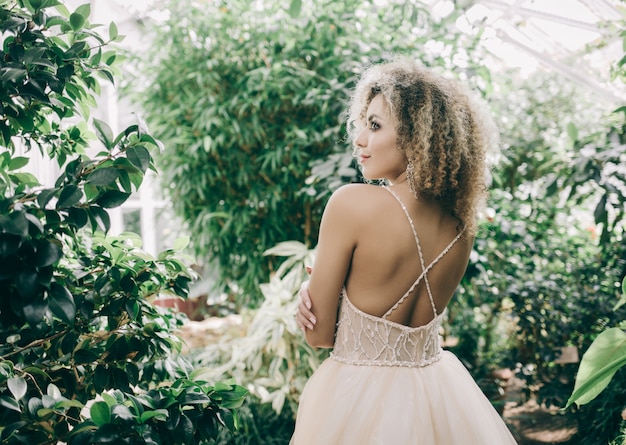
(548, 263)
(601, 420)
(600, 381)
(539, 273)
(251, 113)
(270, 357)
(621, 439)
(84, 355)
(599, 364)
(599, 391)
(260, 425)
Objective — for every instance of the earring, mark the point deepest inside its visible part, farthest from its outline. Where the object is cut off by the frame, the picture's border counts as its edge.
(410, 176)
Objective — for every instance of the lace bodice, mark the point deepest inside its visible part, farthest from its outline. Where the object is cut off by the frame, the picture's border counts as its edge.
(363, 339)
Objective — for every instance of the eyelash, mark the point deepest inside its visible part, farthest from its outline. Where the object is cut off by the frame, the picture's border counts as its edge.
(374, 126)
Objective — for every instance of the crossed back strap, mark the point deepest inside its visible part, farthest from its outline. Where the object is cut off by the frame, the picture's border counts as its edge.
(425, 269)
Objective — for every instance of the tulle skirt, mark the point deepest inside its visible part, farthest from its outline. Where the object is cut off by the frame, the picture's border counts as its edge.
(439, 404)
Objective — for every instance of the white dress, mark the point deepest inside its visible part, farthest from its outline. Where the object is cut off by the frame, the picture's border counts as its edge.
(387, 383)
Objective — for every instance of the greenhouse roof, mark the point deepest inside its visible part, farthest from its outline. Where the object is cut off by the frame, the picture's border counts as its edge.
(552, 33)
(574, 38)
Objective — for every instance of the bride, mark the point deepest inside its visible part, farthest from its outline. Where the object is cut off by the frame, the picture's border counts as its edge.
(389, 259)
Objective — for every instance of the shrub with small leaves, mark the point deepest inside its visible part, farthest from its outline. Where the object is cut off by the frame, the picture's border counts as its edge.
(77, 325)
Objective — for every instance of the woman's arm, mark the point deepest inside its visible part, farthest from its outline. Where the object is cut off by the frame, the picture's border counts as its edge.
(336, 243)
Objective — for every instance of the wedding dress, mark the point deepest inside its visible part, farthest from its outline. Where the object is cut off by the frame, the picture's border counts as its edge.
(390, 384)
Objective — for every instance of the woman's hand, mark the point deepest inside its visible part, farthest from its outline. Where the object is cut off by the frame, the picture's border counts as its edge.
(304, 317)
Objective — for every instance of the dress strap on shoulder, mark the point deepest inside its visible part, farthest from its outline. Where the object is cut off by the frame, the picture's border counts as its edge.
(425, 269)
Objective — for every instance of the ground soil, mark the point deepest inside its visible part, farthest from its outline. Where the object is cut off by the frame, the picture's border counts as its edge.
(532, 424)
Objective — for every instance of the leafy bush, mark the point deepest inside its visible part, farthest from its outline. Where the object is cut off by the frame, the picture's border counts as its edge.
(600, 383)
(605, 356)
(600, 391)
(270, 357)
(84, 355)
(547, 265)
(251, 113)
(539, 278)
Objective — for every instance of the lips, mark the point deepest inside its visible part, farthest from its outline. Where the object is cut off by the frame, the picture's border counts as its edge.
(363, 158)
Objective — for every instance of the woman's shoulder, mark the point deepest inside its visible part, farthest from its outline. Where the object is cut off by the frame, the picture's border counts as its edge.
(357, 193)
(355, 200)
(353, 205)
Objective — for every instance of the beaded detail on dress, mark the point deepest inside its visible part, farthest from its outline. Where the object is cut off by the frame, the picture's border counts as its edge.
(364, 339)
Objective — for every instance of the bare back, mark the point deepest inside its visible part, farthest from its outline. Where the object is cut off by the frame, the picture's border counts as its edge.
(386, 262)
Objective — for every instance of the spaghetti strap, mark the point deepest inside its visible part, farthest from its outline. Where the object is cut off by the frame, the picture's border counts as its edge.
(425, 269)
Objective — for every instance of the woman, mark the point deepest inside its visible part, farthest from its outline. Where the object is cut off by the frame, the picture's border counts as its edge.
(388, 262)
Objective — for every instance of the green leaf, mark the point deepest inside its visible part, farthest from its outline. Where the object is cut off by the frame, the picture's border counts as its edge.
(222, 386)
(227, 417)
(47, 253)
(159, 414)
(37, 371)
(103, 176)
(95, 59)
(120, 378)
(139, 157)
(124, 179)
(14, 223)
(17, 162)
(99, 218)
(136, 179)
(132, 307)
(62, 303)
(106, 73)
(288, 248)
(70, 196)
(77, 216)
(76, 21)
(122, 412)
(600, 212)
(34, 405)
(100, 413)
(84, 10)
(17, 386)
(35, 312)
(181, 243)
(112, 198)
(572, 132)
(69, 404)
(186, 428)
(6, 370)
(54, 392)
(294, 8)
(11, 428)
(10, 75)
(10, 403)
(46, 413)
(45, 195)
(27, 286)
(35, 223)
(104, 133)
(113, 33)
(25, 178)
(83, 356)
(5, 130)
(101, 378)
(604, 357)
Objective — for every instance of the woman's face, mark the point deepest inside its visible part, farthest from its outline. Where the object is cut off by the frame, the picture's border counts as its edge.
(376, 145)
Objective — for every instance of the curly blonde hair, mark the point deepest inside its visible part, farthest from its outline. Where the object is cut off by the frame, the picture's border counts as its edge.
(442, 129)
